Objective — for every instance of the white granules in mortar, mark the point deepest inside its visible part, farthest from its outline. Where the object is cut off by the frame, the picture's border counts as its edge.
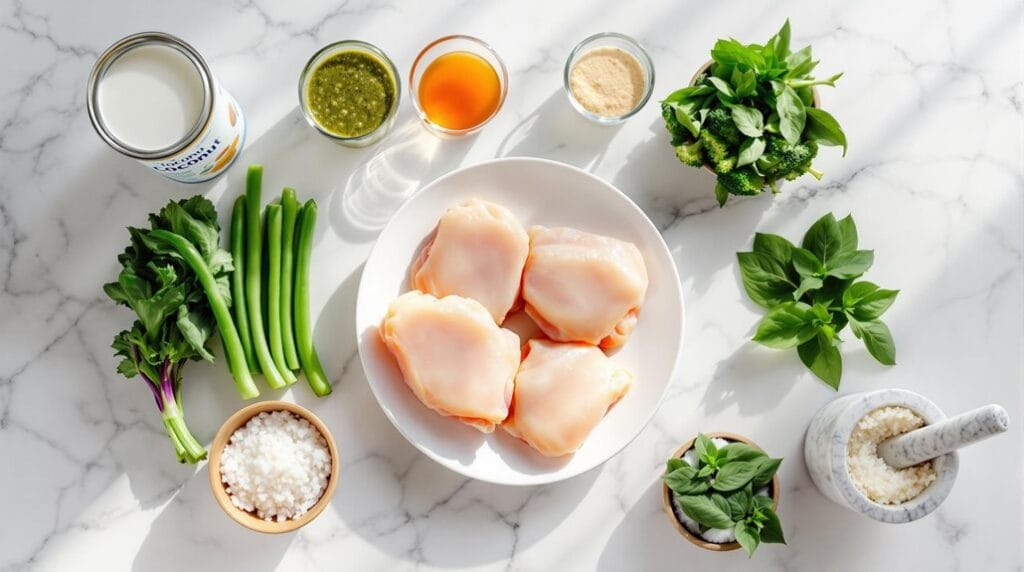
(870, 473)
(276, 465)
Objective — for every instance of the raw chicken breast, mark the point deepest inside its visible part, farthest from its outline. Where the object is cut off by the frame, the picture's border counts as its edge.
(582, 287)
(478, 251)
(562, 392)
(453, 356)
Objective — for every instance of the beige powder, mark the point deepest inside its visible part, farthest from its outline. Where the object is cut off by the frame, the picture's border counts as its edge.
(607, 81)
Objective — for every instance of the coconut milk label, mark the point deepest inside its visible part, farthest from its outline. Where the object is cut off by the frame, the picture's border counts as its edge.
(212, 151)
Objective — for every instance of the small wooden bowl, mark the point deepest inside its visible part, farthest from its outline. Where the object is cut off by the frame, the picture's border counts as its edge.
(248, 519)
(666, 494)
(693, 80)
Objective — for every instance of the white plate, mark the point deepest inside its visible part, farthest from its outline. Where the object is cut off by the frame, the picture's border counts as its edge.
(538, 192)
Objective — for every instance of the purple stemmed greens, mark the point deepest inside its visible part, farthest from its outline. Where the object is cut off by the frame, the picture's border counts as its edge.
(175, 277)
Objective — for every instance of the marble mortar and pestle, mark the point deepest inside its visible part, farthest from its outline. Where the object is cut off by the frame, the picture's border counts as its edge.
(828, 435)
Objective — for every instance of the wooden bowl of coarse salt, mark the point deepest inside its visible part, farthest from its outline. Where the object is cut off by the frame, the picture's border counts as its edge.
(277, 445)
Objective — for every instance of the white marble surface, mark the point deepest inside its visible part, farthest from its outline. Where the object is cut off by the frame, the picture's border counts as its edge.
(932, 103)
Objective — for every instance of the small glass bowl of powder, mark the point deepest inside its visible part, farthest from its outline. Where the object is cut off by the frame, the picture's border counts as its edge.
(608, 78)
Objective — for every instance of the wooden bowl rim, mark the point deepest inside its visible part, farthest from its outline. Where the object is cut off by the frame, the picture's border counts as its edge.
(707, 65)
(247, 519)
(666, 493)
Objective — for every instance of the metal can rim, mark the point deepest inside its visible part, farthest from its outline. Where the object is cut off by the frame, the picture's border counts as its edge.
(118, 49)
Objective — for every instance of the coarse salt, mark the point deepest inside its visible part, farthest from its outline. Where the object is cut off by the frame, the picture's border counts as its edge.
(277, 466)
(872, 476)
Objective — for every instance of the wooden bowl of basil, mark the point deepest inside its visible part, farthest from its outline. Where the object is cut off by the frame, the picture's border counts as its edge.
(670, 506)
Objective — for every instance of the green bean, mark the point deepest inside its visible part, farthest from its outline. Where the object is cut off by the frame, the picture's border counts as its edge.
(238, 281)
(303, 333)
(253, 277)
(289, 213)
(273, 276)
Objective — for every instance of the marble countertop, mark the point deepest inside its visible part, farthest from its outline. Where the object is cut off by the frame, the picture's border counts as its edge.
(931, 101)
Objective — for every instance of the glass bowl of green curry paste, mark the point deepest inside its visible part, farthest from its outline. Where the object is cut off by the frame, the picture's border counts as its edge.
(349, 92)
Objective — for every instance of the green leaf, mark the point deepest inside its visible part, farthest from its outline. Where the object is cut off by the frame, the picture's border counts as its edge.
(721, 194)
(786, 325)
(735, 475)
(684, 480)
(823, 129)
(737, 504)
(824, 238)
(704, 510)
(822, 358)
(721, 503)
(765, 470)
(807, 263)
(782, 42)
(748, 120)
(744, 83)
(705, 471)
(674, 463)
(741, 452)
(706, 450)
(771, 531)
(800, 63)
(684, 117)
(808, 284)
(746, 537)
(775, 246)
(688, 92)
(792, 115)
(732, 52)
(865, 301)
(763, 502)
(196, 327)
(848, 232)
(750, 150)
(877, 338)
(764, 279)
(848, 265)
(723, 88)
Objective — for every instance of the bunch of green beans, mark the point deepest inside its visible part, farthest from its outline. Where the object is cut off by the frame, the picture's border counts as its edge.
(271, 301)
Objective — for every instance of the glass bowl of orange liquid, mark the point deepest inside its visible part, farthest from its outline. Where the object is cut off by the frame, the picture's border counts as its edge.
(458, 84)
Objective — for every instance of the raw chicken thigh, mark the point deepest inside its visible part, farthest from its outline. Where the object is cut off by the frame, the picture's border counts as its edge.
(478, 251)
(453, 356)
(583, 287)
(562, 392)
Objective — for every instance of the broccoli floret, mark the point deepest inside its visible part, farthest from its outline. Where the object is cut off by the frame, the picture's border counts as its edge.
(719, 122)
(716, 149)
(782, 160)
(742, 181)
(676, 130)
(690, 153)
(725, 165)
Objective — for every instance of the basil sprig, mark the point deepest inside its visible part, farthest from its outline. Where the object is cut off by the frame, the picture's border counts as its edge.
(719, 491)
(811, 293)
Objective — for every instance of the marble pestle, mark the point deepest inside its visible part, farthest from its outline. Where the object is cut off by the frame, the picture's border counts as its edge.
(943, 437)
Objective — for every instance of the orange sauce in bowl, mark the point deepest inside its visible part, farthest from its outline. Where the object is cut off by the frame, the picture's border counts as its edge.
(459, 90)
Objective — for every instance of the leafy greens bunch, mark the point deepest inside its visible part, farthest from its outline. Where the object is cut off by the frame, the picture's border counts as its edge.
(175, 277)
(751, 116)
(812, 292)
(720, 491)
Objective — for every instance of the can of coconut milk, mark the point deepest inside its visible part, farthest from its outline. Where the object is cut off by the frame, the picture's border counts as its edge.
(152, 97)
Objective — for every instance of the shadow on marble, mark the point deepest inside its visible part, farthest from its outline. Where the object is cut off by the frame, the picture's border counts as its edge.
(192, 533)
(388, 174)
(753, 378)
(555, 131)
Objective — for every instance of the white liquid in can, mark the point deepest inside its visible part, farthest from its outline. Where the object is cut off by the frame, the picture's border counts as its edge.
(151, 97)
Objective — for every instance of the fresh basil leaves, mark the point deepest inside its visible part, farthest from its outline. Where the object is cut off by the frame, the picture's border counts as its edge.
(719, 491)
(811, 293)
